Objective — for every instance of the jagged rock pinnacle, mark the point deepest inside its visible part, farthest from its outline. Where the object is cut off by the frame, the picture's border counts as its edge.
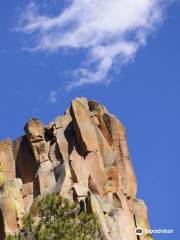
(82, 154)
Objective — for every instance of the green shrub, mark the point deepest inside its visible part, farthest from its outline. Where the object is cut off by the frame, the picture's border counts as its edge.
(55, 218)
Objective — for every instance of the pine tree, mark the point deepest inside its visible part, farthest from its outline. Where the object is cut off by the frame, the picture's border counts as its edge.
(55, 218)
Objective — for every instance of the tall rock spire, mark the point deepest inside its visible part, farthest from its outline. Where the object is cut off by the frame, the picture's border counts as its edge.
(80, 155)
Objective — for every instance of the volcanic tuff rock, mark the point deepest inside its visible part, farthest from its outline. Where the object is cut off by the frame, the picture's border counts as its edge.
(80, 155)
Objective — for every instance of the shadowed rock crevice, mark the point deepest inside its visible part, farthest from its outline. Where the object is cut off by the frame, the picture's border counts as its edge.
(81, 146)
(70, 136)
(26, 165)
(2, 230)
(104, 120)
(83, 156)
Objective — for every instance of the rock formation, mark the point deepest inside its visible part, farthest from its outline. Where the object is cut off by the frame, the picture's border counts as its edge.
(82, 155)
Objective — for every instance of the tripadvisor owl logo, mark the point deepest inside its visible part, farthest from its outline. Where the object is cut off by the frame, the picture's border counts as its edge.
(139, 231)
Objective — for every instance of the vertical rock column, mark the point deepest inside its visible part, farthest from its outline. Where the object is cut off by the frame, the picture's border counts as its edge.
(7, 163)
(64, 142)
(26, 167)
(96, 168)
(45, 179)
(11, 199)
(127, 179)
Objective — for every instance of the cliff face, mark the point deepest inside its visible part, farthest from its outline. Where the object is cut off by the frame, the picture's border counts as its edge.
(83, 156)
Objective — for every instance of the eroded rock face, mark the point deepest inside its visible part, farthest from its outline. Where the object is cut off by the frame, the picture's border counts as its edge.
(82, 155)
(7, 164)
(12, 205)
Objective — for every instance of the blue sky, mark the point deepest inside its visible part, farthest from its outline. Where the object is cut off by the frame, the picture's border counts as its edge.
(144, 92)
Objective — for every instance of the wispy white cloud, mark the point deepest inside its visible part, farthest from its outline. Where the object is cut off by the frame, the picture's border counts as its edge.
(53, 96)
(110, 30)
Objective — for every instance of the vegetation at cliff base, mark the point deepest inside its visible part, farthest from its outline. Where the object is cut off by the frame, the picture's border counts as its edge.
(55, 218)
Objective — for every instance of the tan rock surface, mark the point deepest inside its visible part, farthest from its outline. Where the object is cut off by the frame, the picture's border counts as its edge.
(12, 205)
(7, 163)
(82, 155)
(141, 218)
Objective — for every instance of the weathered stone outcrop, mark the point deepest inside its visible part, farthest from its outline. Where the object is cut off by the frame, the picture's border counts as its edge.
(82, 155)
